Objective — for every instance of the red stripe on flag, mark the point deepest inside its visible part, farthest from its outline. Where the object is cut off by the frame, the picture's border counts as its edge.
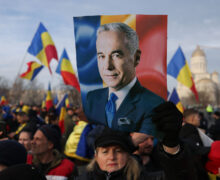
(51, 52)
(152, 32)
(70, 79)
(193, 89)
(49, 104)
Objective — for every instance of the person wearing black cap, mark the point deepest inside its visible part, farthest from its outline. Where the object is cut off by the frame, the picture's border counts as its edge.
(113, 157)
(46, 154)
(13, 165)
(11, 153)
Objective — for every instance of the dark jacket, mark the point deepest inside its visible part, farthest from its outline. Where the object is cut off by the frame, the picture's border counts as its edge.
(190, 135)
(60, 166)
(98, 174)
(134, 113)
(176, 167)
(214, 130)
(21, 171)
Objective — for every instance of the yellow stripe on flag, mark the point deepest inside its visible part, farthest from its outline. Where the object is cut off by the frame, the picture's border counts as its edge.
(130, 20)
(46, 39)
(180, 107)
(185, 76)
(43, 58)
(66, 66)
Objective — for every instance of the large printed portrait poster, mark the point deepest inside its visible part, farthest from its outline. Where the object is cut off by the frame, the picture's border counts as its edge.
(109, 62)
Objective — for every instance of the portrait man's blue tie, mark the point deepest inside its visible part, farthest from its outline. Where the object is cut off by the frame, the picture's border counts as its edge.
(110, 109)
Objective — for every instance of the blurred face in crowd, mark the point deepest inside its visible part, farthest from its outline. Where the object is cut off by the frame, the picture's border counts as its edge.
(115, 62)
(111, 158)
(70, 112)
(2, 167)
(194, 119)
(25, 140)
(146, 147)
(22, 118)
(40, 144)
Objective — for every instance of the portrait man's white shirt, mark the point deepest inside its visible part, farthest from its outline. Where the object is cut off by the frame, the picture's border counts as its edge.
(122, 93)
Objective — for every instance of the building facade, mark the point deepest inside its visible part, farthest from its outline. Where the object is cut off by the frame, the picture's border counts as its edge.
(207, 84)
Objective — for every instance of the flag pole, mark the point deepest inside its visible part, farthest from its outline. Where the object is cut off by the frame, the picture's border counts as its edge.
(19, 70)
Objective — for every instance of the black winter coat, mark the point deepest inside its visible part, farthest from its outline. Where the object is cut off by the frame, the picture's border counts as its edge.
(176, 167)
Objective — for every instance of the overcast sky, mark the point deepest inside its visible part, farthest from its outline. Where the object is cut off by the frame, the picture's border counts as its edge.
(190, 23)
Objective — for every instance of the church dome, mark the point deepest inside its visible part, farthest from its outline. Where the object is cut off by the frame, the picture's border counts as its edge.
(198, 52)
(215, 73)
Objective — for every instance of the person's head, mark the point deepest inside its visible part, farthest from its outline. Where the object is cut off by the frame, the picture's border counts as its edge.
(22, 117)
(146, 147)
(22, 114)
(216, 115)
(45, 140)
(70, 111)
(25, 138)
(118, 54)
(11, 153)
(52, 116)
(113, 151)
(191, 116)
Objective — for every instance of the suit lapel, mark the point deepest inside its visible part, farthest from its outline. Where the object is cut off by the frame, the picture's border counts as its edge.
(128, 103)
(101, 102)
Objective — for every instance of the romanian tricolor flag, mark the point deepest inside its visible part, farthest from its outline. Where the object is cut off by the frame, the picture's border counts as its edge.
(42, 46)
(33, 69)
(61, 109)
(3, 101)
(49, 99)
(65, 69)
(76, 146)
(173, 97)
(179, 69)
(152, 32)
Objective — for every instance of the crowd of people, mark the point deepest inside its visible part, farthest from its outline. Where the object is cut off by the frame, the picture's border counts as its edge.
(127, 131)
(33, 147)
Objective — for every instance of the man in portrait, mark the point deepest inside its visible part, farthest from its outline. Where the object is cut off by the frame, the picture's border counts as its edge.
(123, 104)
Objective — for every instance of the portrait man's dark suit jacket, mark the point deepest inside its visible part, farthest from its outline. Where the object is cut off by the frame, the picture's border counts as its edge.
(134, 113)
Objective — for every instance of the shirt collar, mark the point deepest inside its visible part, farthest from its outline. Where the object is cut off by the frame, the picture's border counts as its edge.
(122, 93)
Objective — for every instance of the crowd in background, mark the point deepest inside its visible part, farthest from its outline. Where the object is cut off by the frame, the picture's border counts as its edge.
(33, 142)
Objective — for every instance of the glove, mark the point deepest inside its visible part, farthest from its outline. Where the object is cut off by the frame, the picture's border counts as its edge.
(168, 120)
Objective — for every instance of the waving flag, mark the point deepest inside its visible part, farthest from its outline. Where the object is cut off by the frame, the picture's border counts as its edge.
(77, 145)
(3, 101)
(173, 97)
(49, 99)
(179, 69)
(61, 109)
(33, 69)
(42, 46)
(152, 32)
(65, 69)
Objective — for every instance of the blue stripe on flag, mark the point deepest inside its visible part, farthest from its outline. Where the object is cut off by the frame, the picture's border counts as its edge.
(176, 63)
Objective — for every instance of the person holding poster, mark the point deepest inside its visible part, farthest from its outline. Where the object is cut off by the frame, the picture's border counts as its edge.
(124, 104)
